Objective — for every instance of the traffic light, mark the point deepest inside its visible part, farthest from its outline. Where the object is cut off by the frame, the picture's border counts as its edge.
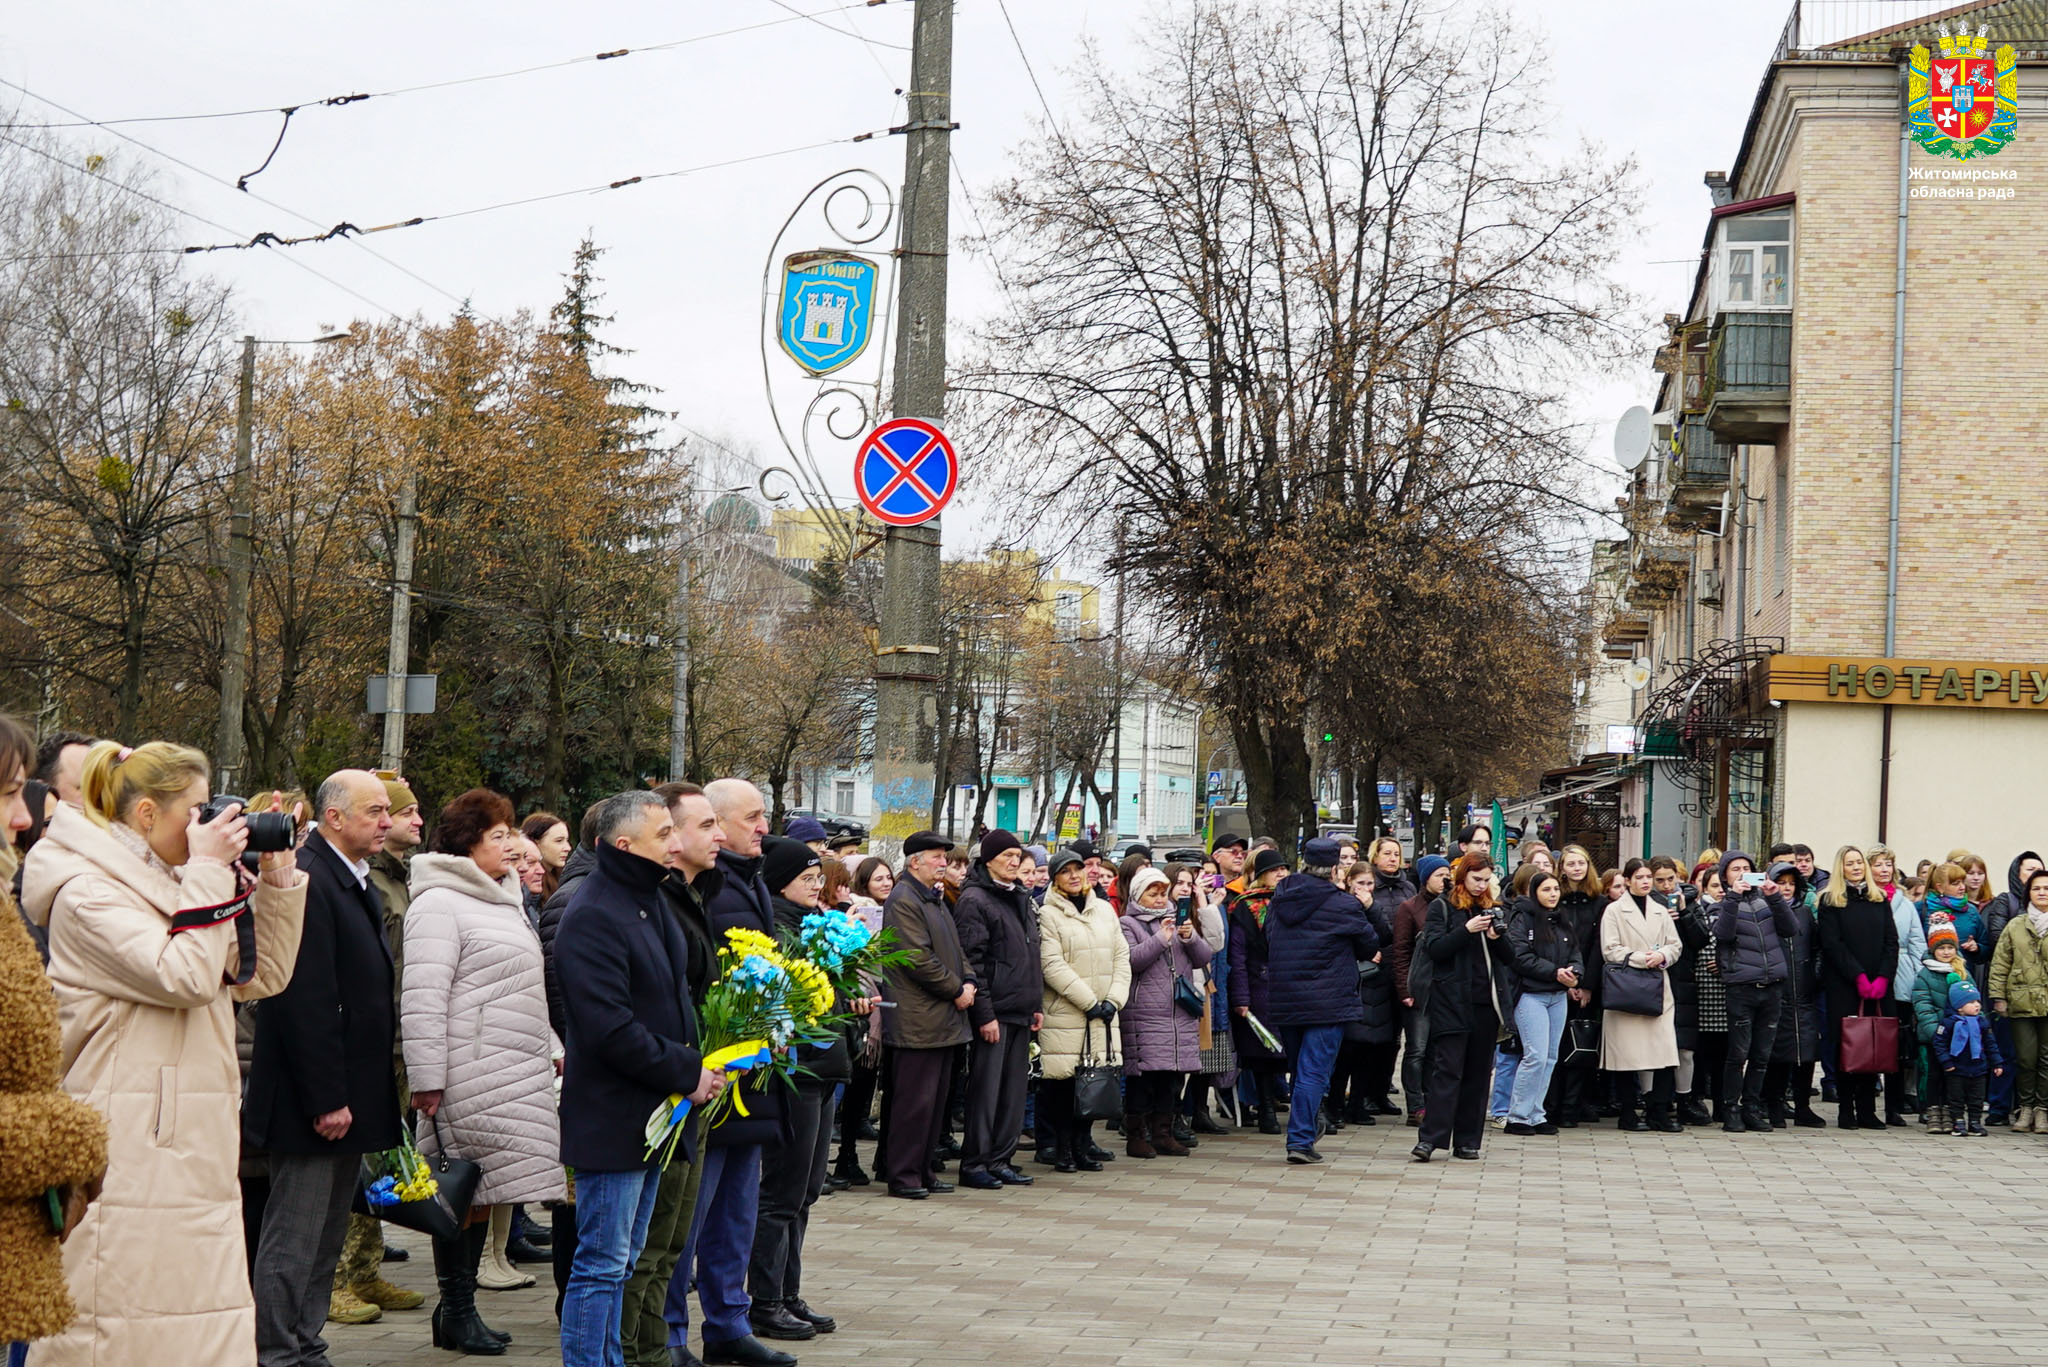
(1329, 736)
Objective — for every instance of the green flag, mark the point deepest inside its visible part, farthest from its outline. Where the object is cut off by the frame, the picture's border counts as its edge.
(1500, 834)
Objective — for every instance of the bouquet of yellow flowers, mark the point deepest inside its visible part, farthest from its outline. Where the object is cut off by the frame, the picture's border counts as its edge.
(401, 1186)
(765, 1002)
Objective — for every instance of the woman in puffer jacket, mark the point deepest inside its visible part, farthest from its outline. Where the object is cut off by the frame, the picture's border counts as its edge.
(1087, 966)
(478, 1051)
(1162, 1042)
(152, 920)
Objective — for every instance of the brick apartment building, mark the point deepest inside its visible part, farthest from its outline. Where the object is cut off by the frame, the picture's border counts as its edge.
(1815, 673)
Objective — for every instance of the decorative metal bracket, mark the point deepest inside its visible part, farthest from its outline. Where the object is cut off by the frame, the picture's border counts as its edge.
(856, 207)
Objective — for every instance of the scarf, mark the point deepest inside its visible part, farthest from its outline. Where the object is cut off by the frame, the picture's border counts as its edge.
(2037, 921)
(1966, 1037)
(1954, 906)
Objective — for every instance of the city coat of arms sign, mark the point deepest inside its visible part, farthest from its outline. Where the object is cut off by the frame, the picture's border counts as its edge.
(1965, 103)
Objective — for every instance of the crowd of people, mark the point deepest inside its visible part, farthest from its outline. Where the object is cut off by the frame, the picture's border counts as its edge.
(218, 1010)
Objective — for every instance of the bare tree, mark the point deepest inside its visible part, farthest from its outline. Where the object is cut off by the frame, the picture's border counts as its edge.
(119, 382)
(1300, 295)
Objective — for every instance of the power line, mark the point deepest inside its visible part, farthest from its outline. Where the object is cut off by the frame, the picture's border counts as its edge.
(344, 100)
(1025, 57)
(186, 213)
(346, 230)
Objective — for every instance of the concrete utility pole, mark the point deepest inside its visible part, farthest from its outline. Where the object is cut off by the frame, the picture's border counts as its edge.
(906, 665)
(228, 746)
(679, 733)
(399, 659)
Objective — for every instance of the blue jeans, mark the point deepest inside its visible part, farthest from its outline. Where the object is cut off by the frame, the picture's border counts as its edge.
(715, 1254)
(1539, 1020)
(1506, 1067)
(1312, 1054)
(612, 1213)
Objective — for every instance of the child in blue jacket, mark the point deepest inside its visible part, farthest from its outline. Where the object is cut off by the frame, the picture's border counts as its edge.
(1967, 1052)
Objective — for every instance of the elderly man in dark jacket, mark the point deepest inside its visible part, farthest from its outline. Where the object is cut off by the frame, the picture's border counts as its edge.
(1316, 934)
(631, 1043)
(998, 925)
(933, 990)
(1753, 930)
(322, 1089)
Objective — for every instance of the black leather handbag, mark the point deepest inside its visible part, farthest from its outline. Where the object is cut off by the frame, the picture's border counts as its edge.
(443, 1214)
(1097, 1095)
(1633, 991)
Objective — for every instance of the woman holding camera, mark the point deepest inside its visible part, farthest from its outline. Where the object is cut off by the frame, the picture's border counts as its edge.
(1462, 975)
(1162, 1041)
(156, 930)
(474, 1018)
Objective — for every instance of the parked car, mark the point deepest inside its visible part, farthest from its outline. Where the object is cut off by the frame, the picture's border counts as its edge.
(834, 825)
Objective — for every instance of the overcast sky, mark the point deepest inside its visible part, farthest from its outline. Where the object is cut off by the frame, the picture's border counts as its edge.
(1669, 83)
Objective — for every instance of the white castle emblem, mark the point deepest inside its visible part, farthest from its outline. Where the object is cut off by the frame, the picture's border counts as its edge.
(824, 317)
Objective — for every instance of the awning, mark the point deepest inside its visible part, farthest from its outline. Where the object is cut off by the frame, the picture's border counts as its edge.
(1528, 804)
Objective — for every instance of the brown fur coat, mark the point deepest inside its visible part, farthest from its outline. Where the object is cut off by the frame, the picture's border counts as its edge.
(46, 1139)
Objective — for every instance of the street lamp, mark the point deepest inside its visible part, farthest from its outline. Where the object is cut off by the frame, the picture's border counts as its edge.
(234, 664)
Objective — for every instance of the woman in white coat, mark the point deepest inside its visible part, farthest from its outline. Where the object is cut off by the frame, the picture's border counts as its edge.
(1086, 963)
(478, 1051)
(151, 919)
(1637, 931)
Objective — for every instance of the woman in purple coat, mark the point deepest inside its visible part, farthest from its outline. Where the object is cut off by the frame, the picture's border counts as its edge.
(1162, 1040)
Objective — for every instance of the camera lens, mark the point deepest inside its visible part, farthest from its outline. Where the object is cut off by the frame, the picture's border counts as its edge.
(270, 832)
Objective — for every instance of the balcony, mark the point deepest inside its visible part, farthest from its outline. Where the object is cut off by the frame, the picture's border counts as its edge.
(1623, 634)
(1749, 377)
(1699, 476)
(1658, 573)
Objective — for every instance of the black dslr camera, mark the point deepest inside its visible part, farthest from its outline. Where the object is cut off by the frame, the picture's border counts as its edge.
(269, 832)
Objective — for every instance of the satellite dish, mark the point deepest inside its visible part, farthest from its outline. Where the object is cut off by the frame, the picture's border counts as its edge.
(1637, 674)
(1632, 438)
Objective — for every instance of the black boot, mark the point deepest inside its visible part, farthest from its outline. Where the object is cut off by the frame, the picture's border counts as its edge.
(1203, 1122)
(456, 1324)
(1692, 1112)
(475, 1238)
(1269, 1112)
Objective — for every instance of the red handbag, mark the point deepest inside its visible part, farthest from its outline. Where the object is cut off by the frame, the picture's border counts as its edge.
(1870, 1044)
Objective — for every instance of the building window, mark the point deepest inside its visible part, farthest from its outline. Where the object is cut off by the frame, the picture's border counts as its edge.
(1067, 613)
(842, 796)
(1756, 261)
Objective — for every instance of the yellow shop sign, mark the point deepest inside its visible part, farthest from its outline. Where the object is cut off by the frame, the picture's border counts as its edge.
(1917, 683)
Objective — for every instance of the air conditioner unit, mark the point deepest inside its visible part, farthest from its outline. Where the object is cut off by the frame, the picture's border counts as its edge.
(1710, 588)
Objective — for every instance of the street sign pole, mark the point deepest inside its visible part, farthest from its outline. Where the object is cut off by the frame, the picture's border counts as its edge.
(907, 662)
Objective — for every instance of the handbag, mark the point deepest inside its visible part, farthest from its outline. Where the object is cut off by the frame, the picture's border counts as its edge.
(1870, 1044)
(1581, 1045)
(1633, 991)
(1185, 997)
(1096, 1093)
(443, 1214)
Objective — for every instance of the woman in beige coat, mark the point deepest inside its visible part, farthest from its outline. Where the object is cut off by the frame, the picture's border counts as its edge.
(478, 1051)
(1636, 931)
(146, 907)
(1087, 967)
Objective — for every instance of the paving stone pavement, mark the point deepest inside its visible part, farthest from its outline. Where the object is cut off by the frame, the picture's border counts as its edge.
(1594, 1247)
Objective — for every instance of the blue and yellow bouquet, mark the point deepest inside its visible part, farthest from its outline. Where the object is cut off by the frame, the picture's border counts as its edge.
(765, 1001)
(402, 1176)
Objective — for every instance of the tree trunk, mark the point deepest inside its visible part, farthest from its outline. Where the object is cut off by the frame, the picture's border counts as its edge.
(554, 760)
(1347, 788)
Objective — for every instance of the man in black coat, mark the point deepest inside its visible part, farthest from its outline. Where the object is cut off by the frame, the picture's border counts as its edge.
(631, 1044)
(693, 879)
(998, 924)
(322, 1091)
(729, 1187)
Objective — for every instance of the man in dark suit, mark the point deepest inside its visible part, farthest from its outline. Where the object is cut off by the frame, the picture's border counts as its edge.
(322, 1091)
(623, 968)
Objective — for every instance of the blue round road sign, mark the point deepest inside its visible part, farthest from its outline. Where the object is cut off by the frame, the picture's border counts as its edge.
(906, 472)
